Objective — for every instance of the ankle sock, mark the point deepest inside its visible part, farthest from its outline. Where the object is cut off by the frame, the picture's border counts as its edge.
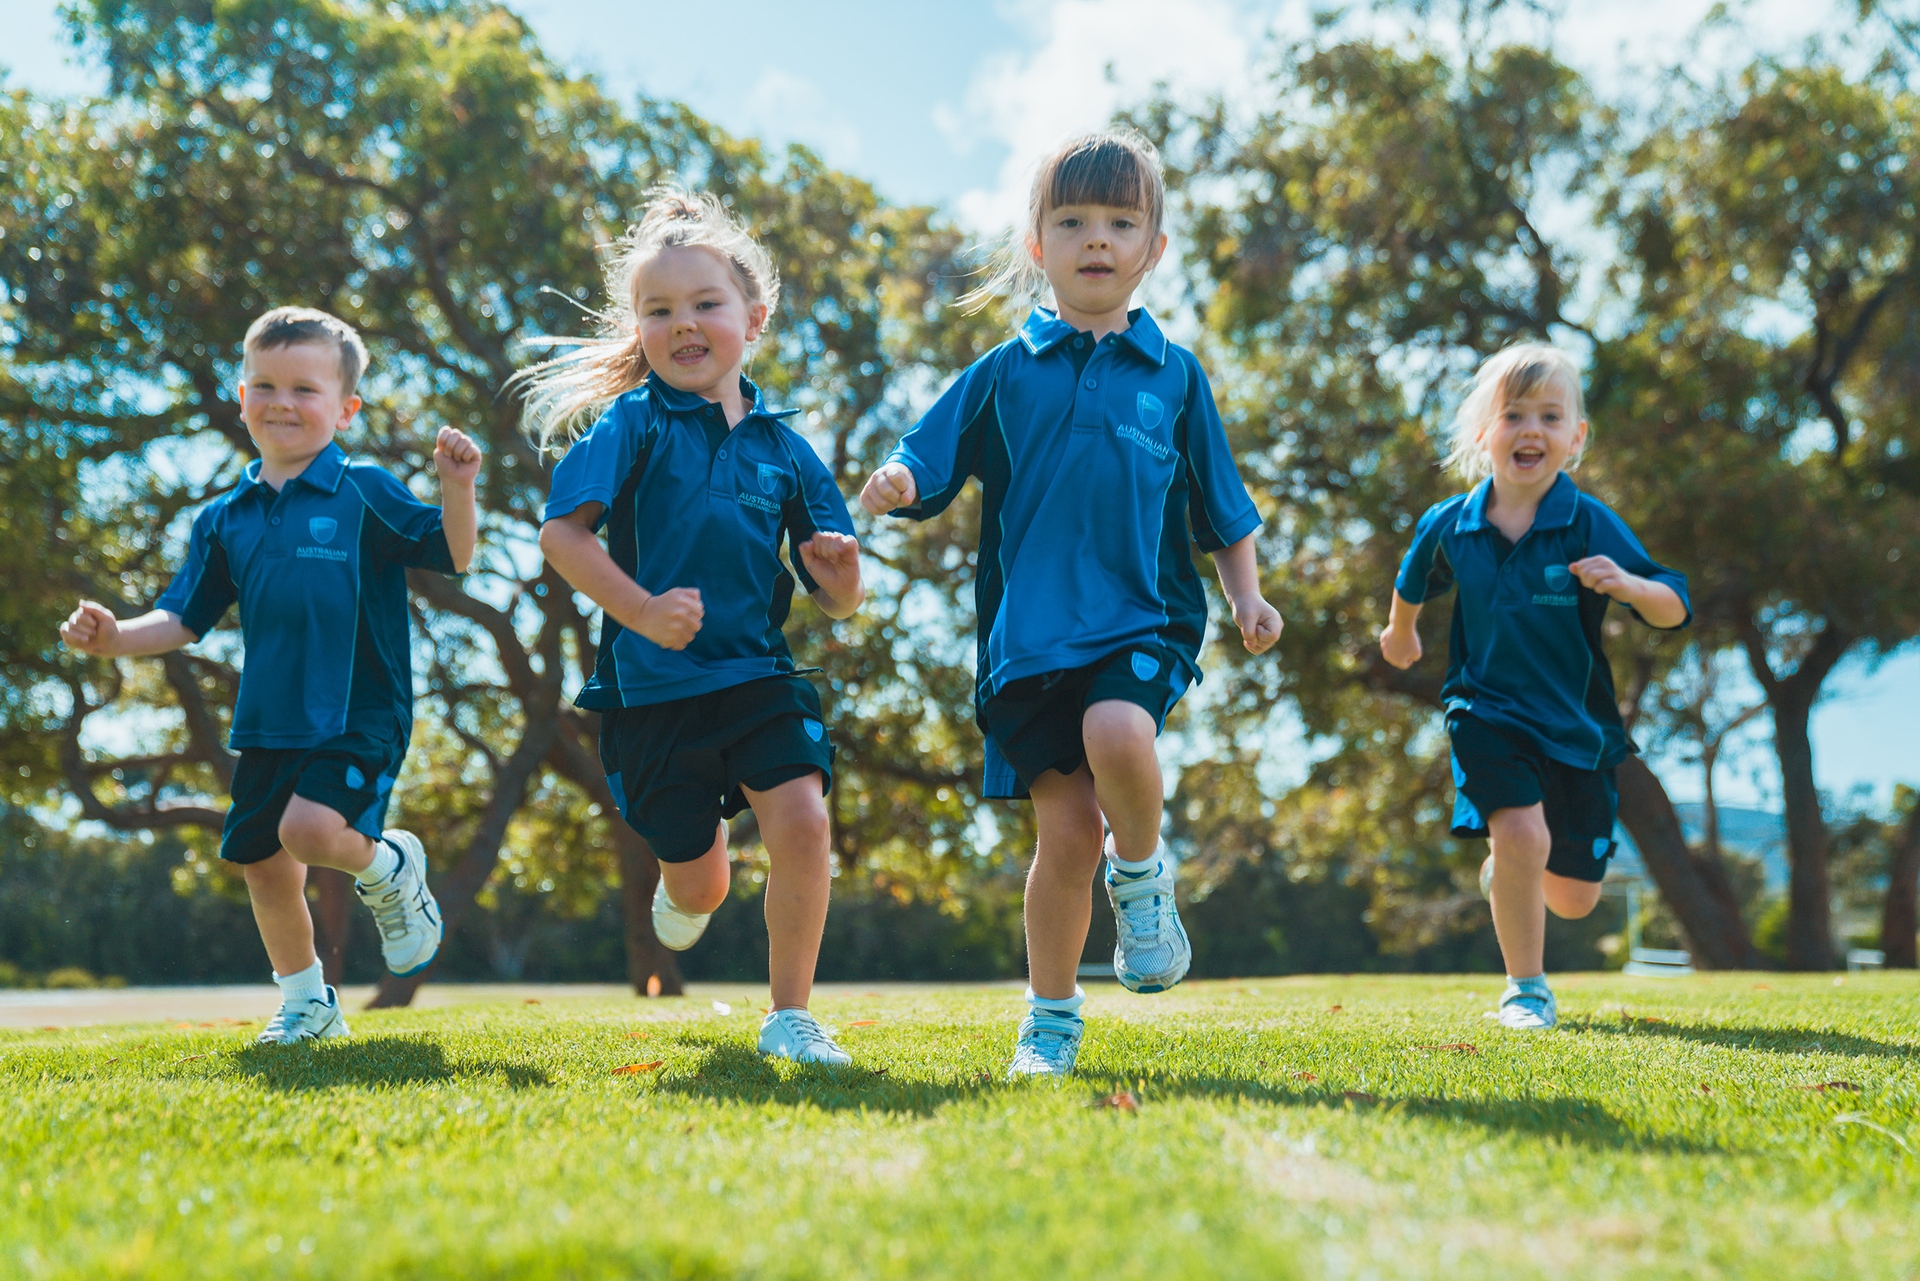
(386, 861)
(1069, 1005)
(1134, 871)
(1535, 986)
(307, 985)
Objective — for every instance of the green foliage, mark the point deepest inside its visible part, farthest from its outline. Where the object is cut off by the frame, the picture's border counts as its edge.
(1299, 1127)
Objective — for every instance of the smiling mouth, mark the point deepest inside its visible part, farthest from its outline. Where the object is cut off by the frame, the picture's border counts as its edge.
(1528, 457)
(690, 355)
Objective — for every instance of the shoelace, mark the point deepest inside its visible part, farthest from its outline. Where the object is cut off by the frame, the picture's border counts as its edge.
(1534, 1003)
(1140, 916)
(390, 907)
(802, 1027)
(1048, 1037)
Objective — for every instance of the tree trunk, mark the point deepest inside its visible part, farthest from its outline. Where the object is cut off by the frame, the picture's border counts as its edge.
(652, 968)
(1809, 890)
(457, 891)
(1900, 914)
(333, 915)
(1698, 893)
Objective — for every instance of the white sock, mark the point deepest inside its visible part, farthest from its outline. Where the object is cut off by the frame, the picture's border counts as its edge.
(308, 985)
(1058, 1005)
(1145, 865)
(386, 861)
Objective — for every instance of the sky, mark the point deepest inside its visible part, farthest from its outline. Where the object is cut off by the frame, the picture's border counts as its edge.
(949, 102)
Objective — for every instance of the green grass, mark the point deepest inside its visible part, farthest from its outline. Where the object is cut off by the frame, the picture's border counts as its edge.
(1284, 1128)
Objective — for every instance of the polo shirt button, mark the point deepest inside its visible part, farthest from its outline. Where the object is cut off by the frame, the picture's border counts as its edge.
(723, 453)
(1092, 383)
(276, 520)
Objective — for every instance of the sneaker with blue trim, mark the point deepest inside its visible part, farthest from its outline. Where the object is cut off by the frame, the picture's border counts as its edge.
(674, 928)
(404, 908)
(1049, 1043)
(1528, 1007)
(1150, 951)
(794, 1034)
(314, 1020)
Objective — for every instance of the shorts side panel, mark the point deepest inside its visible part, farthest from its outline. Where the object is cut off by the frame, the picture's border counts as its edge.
(263, 780)
(353, 775)
(1491, 771)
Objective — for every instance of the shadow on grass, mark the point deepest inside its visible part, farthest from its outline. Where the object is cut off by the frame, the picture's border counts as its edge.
(371, 1060)
(1770, 1040)
(733, 1071)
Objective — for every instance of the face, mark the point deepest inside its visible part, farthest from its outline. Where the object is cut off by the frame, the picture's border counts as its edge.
(1532, 436)
(695, 320)
(1095, 256)
(291, 400)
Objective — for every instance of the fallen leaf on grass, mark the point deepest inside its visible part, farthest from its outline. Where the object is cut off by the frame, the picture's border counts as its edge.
(183, 1025)
(190, 1058)
(876, 1071)
(864, 1023)
(532, 1000)
(1333, 1009)
(1305, 1076)
(634, 1069)
(1705, 1088)
(1453, 1047)
(638, 1036)
(1651, 1018)
(1762, 987)
(1831, 1085)
(1121, 1102)
(55, 1027)
(1357, 1096)
(116, 1059)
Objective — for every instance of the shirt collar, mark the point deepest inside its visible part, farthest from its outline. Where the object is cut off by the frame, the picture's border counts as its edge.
(323, 473)
(1044, 330)
(686, 402)
(1555, 511)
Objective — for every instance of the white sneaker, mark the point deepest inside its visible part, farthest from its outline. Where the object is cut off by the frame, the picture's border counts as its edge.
(1049, 1044)
(314, 1020)
(404, 908)
(1151, 952)
(793, 1034)
(674, 928)
(1529, 1011)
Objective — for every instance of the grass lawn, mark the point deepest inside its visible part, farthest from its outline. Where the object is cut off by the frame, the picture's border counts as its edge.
(1735, 1125)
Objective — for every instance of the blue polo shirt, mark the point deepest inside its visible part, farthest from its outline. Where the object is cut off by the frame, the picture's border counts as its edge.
(318, 569)
(691, 504)
(1095, 460)
(1525, 650)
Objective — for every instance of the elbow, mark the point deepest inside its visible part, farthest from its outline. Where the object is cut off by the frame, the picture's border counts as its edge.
(552, 538)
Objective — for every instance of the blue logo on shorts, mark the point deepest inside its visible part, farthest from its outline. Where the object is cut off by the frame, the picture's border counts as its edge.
(770, 478)
(1145, 666)
(814, 728)
(1151, 410)
(355, 779)
(323, 528)
(1557, 576)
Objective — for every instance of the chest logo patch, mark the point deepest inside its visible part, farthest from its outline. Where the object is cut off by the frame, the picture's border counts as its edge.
(323, 528)
(770, 478)
(1557, 577)
(1152, 412)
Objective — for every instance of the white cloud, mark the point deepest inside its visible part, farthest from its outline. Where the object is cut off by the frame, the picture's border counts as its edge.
(782, 107)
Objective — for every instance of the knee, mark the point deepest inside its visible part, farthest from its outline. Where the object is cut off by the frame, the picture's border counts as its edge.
(305, 834)
(1520, 836)
(1118, 735)
(1570, 899)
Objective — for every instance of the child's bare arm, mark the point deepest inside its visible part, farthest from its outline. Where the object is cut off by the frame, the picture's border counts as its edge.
(457, 458)
(833, 562)
(1239, 568)
(669, 619)
(92, 629)
(1400, 643)
(1656, 602)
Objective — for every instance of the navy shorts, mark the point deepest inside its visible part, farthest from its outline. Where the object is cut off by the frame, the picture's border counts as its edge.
(351, 774)
(1494, 769)
(1034, 724)
(677, 768)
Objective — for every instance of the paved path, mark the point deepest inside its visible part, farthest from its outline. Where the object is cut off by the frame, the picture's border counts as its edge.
(83, 1007)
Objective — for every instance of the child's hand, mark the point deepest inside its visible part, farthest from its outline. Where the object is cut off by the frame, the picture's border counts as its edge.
(456, 456)
(1600, 574)
(889, 489)
(92, 629)
(833, 560)
(1401, 647)
(1259, 624)
(671, 619)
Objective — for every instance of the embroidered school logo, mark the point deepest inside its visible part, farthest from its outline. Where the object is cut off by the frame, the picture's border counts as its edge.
(814, 728)
(323, 528)
(770, 478)
(1145, 666)
(1557, 576)
(1151, 410)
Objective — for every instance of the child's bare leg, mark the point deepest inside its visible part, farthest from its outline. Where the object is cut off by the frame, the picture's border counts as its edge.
(1521, 844)
(1568, 898)
(320, 835)
(700, 885)
(277, 887)
(793, 823)
(1126, 774)
(1060, 884)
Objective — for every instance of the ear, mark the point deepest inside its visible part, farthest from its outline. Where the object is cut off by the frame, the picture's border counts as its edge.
(348, 408)
(1033, 248)
(240, 392)
(1154, 252)
(756, 321)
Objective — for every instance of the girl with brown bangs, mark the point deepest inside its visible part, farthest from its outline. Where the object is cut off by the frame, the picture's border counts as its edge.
(1101, 460)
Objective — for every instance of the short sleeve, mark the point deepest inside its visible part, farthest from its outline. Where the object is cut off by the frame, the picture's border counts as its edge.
(596, 465)
(1609, 536)
(1221, 513)
(817, 505)
(202, 592)
(943, 448)
(1424, 572)
(400, 529)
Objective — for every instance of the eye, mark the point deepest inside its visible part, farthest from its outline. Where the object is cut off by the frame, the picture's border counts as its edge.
(1069, 223)
(707, 304)
(1123, 224)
